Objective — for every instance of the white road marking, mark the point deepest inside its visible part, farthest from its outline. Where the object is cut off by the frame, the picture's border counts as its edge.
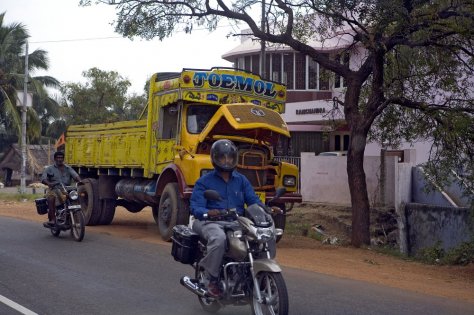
(16, 306)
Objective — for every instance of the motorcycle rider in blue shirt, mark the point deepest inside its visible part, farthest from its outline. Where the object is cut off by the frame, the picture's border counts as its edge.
(235, 191)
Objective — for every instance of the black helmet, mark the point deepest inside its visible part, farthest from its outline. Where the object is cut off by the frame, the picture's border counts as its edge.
(224, 155)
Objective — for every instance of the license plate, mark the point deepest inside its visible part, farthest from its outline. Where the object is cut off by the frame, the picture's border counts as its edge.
(75, 207)
(261, 195)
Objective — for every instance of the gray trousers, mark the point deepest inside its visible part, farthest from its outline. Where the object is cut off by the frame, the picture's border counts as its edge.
(213, 232)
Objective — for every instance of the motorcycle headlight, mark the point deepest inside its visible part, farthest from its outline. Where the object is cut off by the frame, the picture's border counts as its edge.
(73, 195)
(238, 234)
(264, 234)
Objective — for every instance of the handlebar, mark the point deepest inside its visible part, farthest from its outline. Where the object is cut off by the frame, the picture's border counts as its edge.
(225, 215)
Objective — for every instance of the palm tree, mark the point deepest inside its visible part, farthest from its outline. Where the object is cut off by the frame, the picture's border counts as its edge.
(13, 38)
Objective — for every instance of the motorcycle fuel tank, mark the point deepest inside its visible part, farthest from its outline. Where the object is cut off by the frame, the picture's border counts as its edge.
(237, 249)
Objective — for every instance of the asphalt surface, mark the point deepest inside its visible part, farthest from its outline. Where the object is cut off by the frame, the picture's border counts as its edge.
(109, 275)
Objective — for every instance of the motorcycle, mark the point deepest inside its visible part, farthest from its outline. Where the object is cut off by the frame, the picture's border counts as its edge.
(69, 215)
(248, 274)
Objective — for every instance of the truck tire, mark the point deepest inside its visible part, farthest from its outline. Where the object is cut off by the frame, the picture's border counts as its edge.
(280, 220)
(108, 211)
(170, 209)
(89, 198)
(154, 211)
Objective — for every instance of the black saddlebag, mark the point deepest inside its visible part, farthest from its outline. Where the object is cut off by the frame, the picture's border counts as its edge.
(185, 244)
(41, 206)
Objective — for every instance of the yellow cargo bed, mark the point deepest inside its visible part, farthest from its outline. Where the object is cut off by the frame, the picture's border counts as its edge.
(117, 145)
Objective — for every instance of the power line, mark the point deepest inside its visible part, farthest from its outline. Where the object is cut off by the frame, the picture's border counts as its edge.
(102, 38)
(76, 40)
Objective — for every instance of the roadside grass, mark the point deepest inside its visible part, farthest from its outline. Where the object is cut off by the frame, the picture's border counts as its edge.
(296, 228)
(391, 251)
(20, 197)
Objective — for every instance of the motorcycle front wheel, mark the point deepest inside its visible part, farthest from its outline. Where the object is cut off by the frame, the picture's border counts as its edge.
(208, 304)
(77, 225)
(273, 291)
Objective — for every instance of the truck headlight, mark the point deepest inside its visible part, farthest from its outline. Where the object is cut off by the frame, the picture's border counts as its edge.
(289, 181)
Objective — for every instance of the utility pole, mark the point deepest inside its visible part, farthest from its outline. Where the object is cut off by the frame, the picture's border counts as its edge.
(262, 43)
(23, 126)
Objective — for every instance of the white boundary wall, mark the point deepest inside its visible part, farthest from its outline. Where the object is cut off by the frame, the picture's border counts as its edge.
(324, 180)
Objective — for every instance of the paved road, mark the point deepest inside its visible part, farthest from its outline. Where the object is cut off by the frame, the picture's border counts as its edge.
(108, 275)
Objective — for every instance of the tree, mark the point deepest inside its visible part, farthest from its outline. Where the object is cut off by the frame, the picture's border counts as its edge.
(101, 99)
(415, 65)
(13, 39)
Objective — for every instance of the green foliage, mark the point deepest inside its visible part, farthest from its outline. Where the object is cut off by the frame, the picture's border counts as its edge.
(13, 39)
(460, 255)
(101, 99)
(431, 255)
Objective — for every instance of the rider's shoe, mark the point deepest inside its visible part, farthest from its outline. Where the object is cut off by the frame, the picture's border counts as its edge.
(49, 224)
(213, 289)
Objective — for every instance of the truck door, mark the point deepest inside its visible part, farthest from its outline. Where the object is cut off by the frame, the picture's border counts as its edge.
(166, 134)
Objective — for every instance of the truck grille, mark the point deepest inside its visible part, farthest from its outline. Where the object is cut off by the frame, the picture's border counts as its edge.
(253, 164)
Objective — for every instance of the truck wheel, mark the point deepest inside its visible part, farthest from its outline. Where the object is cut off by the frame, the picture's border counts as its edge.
(108, 211)
(89, 198)
(280, 220)
(154, 210)
(170, 205)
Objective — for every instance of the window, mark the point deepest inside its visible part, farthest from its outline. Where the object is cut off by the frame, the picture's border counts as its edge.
(287, 77)
(300, 72)
(297, 71)
(255, 63)
(268, 59)
(168, 122)
(338, 80)
(197, 117)
(346, 142)
(312, 74)
(247, 63)
(341, 142)
(276, 68)
(324, 76)
(240, 63)
(337, 143)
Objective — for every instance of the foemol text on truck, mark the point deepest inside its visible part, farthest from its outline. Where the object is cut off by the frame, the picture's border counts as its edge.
(155, 160)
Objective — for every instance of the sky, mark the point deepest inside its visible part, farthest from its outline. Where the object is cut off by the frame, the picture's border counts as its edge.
(79, 38)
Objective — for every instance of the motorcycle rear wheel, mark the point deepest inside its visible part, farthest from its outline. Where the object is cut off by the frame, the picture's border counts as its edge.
(273, 290)
(77, 225)
(207, 304)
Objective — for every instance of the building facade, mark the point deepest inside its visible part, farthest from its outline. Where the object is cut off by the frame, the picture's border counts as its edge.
(315, 122)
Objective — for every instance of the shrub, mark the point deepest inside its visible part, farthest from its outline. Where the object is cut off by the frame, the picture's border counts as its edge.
(460, 255)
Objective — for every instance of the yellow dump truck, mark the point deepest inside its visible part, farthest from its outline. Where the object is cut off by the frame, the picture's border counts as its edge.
(155, 161)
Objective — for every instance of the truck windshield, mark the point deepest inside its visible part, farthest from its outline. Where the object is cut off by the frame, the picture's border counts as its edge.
(197, 117)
